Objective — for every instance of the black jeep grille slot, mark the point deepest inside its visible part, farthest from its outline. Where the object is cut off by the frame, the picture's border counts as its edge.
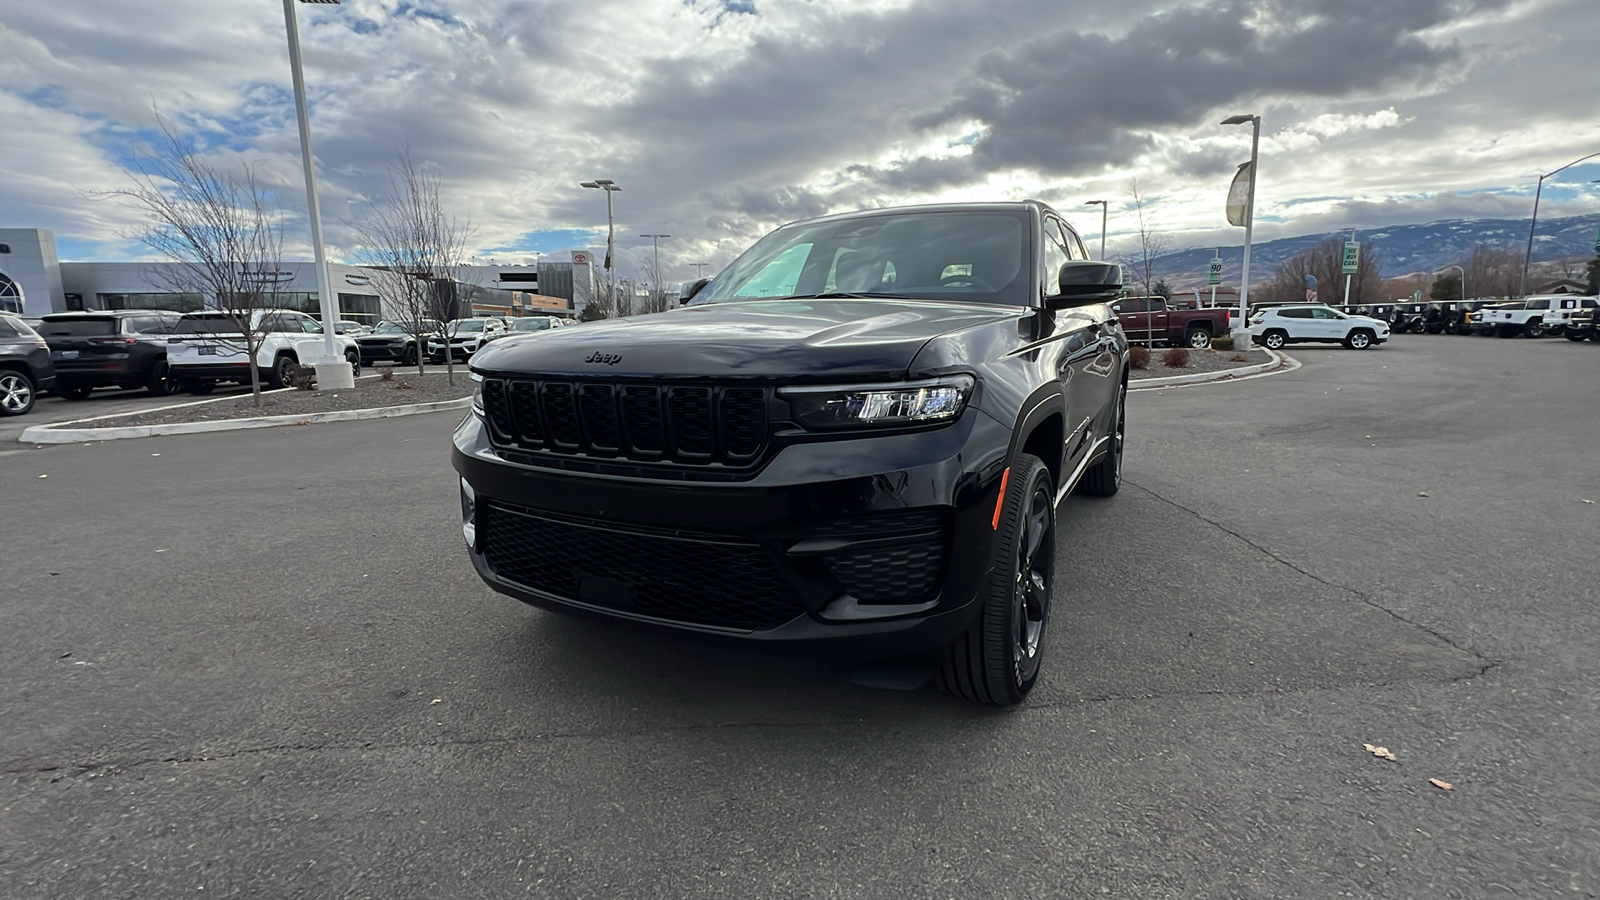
(706, 579)
(600, 417)
(693, 424)
(744, 421)
(689, 409)
(641, 416)
(561, 414)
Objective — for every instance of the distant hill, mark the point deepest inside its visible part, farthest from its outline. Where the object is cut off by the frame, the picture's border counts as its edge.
(1402, 249)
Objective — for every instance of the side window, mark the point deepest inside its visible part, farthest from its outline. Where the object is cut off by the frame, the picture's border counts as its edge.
(1055, 256)
(310, 325)
(1538, 304)
(1569, 304)
(1301, 313)
(1324, 314)
(1588, 303)
(7, 329)
(1075, 248)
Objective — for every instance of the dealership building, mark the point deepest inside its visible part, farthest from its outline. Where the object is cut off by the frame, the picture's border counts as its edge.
(34, 282)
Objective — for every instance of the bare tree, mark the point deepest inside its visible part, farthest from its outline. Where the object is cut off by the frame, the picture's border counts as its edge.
(218, 228)
(418, 254)
(1493, 271)
(656, 299)
(1324, 262)
(1152, 244)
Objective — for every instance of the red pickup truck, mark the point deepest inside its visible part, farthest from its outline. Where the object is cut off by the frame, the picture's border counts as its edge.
(1148, 320)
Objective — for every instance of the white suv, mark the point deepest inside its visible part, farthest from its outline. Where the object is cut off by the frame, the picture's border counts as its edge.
(466, 336)
(1315, 323)
(207, 347)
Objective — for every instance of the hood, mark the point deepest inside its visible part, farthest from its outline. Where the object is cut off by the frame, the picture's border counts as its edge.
(804, 340)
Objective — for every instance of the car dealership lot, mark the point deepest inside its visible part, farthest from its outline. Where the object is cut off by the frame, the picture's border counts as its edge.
(267, 668)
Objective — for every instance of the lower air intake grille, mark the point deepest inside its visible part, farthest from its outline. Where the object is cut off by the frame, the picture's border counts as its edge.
(697, 578)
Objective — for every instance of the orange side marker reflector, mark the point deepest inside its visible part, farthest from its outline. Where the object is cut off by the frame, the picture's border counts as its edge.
(1004, 477)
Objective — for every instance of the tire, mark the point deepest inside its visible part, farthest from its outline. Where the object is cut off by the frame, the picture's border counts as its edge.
(1359, 339)
(1533, 330)
(1274, 340)
(1197, 339)
(160, 383)
(279, 376)
(74, 391)
(1105, 477)
(409, 357)
(17, 393)
(997, 660)
(1574, 336)
(354, 359)
(199, 386)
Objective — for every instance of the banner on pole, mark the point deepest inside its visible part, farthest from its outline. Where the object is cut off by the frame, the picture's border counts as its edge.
(1214, 273)
(1239, 196)
(1352, 258)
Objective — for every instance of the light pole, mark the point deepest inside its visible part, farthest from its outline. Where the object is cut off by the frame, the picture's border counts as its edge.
(610, 187)
(655, 240)
(697, 269)
(1102, 205)
(333, 372)
(1241, 331)
(1522, 290)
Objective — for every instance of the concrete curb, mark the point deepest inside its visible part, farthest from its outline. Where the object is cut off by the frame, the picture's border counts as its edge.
(1280, 362)
(58, 434)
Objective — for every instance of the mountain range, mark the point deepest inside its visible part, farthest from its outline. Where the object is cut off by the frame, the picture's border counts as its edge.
(1401, 249)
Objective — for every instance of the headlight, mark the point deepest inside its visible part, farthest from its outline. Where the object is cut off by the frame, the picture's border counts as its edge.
(477, 392)
(880, 406)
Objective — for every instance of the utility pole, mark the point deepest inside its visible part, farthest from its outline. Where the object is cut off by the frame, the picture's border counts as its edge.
(655, 243)
(698, 267)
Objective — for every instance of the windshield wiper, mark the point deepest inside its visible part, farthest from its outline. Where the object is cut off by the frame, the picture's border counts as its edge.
(845, 295)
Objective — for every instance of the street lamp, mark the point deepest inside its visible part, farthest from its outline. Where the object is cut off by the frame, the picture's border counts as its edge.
(1522, 291)
(697, 269)
(655, 240)
(610, 187)
(1241, 332)
(333, 371)
(1102, 205)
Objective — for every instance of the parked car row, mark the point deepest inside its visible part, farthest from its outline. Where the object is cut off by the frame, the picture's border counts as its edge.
(397, 342)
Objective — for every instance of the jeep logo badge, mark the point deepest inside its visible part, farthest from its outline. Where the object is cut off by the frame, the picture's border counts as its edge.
(609, 359)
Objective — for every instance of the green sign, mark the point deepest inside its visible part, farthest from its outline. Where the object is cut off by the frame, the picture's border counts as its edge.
(1214, 276)
(1416, 294)
(1352, 258)
(1127, 278)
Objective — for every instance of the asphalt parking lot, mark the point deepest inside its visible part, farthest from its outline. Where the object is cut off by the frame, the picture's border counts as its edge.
(259, 664)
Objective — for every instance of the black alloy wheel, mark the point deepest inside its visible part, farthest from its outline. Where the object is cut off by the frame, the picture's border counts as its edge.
(16, 392)
(354, 359)
(161, 382)
(1573, 335)
(409, 356)
(281, 369)
(997, 660)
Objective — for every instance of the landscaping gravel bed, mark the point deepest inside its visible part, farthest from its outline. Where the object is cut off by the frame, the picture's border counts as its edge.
(370, 392)
(1200, 361)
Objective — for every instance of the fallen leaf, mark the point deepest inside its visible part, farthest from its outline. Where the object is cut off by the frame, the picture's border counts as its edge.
(1590, 502)
(435, 700)
(1441, 785)
(1383, 752)
(1422, 493)
(163, 549)
(44, 476)
(155, 454)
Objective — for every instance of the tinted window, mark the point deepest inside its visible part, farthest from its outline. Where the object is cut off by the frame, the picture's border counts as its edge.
(1295, 313)
(144, 325)
(213, 324)
(77, 326)
(539, 324)
(8, 330)
(1538, 304)
(1588, 303)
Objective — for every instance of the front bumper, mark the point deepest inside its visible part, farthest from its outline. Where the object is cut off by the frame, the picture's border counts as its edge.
(374, 353)
(775, 560)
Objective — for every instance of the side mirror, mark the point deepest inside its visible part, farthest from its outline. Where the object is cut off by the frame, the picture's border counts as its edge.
(1084, 281)
(690, 289)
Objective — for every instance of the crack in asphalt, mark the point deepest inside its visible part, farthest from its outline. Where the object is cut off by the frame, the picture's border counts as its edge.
(1488, 662)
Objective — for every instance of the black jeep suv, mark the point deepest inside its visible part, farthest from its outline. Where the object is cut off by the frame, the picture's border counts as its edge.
(853, 440)
(123, 347)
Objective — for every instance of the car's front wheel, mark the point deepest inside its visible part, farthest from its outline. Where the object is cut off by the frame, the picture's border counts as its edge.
(161, 383)
(1572, 335)
(1359, 340)
(997, 660)
(16, 392)
(1198, 339)
(1274, 340)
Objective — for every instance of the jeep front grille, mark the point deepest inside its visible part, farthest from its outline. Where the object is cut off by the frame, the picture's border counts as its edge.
(641, 422)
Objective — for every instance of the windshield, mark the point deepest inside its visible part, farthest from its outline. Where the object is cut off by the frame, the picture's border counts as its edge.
(464, 327)
(389, 328)
(539, 324)
(206, 323)
(979, 256)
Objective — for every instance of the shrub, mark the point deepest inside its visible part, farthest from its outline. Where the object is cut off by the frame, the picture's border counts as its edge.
(1176, 358)
(1139, 357)
(385, 371)
(1222, 342)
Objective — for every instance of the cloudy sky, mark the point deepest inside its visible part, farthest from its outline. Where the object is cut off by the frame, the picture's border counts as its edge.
(723, 118)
